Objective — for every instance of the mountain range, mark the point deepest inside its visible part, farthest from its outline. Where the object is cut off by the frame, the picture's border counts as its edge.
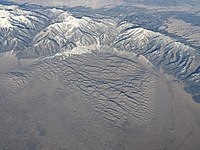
(108, 3)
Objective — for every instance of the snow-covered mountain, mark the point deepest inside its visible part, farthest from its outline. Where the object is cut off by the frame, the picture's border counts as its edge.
(71, 32)
(50, 32)
(18, 27)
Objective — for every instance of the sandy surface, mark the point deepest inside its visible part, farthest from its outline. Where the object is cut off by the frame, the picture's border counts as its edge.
(95, 101)
(186, 117)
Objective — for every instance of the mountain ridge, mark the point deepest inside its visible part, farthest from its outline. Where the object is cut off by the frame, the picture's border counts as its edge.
(28, 35)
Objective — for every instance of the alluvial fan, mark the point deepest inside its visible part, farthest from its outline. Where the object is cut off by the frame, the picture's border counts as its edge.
(88, 99)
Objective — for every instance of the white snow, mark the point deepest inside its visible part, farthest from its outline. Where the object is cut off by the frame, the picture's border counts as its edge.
(9, 13)
(4, 19)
